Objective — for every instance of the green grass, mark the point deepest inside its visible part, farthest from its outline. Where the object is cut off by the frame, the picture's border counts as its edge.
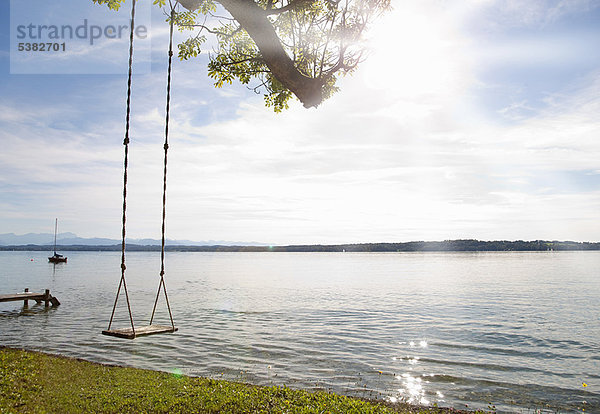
(37, 382)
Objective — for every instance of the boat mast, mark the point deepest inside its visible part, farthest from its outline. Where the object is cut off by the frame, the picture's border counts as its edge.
(55, 227)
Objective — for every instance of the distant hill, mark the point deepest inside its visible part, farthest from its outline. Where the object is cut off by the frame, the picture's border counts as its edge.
(71, 239)
(468, 245)
(8, 239)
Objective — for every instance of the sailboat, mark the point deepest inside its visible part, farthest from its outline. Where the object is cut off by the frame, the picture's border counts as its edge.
(57, 258)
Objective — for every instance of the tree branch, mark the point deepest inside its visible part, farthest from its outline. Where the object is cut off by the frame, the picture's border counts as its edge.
(254, 20)
(290, 6)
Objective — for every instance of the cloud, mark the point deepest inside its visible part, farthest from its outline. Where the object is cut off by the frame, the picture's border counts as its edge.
(390, 163)
(503, 14)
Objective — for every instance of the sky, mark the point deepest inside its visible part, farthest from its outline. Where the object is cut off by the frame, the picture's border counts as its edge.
(469, 119)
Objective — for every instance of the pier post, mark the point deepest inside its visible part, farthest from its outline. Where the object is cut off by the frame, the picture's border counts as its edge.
(26, 302)
(47, 297)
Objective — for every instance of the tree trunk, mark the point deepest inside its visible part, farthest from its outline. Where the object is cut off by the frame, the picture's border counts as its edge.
(254, 20)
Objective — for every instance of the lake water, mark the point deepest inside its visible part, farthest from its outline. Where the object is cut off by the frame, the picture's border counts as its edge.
(518, 330)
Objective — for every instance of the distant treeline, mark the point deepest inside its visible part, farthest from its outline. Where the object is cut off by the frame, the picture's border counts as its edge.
(468, 245)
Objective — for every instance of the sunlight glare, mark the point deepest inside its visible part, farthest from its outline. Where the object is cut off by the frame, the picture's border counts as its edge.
(413, 53)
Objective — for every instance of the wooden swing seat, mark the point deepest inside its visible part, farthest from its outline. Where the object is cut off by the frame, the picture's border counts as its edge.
(128, 333)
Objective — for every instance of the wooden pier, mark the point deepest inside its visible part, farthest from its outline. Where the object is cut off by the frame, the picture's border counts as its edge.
(26, 296)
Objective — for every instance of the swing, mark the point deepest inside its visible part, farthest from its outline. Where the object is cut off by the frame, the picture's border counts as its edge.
(150, 329)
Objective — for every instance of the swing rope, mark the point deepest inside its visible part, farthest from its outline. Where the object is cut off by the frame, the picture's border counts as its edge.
(125, 165)
(122, 282)
(164, 198)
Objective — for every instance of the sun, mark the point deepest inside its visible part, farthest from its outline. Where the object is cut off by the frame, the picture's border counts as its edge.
(414, 51)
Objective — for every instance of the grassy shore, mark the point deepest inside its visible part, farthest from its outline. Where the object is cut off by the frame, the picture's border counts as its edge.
(37, 382)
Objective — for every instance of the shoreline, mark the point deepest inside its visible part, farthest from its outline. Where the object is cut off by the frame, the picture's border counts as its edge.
(467, 245)
(32, 380)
